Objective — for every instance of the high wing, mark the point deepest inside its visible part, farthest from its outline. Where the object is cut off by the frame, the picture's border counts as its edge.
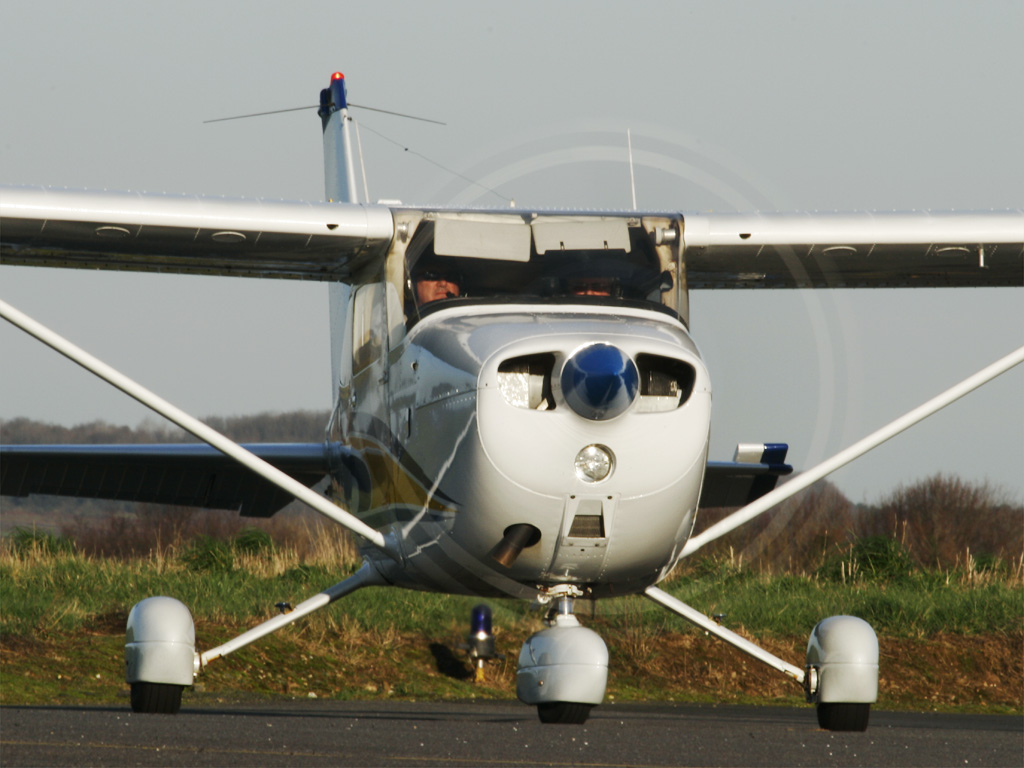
(190, 235)
(193, 475)
(333, 241)
(921, 249)
(337, 241)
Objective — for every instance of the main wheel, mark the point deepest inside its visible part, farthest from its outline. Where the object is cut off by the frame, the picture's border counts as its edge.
(156, 698)
(570, 712)
(844, 717)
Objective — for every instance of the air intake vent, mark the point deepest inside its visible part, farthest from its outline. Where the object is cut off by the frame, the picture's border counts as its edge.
(525, 382)
(665, 383)
(587, 527)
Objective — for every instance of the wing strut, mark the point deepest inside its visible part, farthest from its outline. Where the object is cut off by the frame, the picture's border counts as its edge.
(697, 618)
(366, 576)
(858, 449)
(197, 428)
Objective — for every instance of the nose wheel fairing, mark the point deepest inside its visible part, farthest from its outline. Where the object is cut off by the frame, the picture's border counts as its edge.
(563, 669)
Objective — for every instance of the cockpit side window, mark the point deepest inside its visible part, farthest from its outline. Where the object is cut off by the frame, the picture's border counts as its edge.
(367, 314)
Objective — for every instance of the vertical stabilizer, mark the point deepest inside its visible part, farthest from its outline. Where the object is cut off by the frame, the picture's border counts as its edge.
(339, 187)
(339, 170)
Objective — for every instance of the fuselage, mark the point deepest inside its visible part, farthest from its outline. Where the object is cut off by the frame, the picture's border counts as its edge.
(478, 426)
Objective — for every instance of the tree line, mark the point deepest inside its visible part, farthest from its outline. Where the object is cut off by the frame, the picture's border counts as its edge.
(294, 426)
(940, 522)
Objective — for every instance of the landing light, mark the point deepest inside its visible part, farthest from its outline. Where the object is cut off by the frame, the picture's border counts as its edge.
(594, 463)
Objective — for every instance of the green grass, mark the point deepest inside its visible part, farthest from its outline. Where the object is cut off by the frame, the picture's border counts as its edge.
(62, 620)
(59, 592)
(916, 606)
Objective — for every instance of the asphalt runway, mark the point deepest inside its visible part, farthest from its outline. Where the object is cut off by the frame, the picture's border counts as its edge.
(330, 733)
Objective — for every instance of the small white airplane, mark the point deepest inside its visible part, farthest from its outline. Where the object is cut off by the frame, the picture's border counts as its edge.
(519, 409)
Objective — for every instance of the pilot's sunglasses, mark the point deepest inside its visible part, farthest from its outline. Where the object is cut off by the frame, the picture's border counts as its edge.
(438, 276)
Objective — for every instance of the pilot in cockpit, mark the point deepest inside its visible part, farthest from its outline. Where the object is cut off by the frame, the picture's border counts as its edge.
(592, 286)
(434, 286)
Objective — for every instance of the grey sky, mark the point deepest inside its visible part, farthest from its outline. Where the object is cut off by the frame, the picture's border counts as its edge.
(892, 105)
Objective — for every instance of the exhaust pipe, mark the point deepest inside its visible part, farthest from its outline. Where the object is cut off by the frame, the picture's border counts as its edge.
(517, 538)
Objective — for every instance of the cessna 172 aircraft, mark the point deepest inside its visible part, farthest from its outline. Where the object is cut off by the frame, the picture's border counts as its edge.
(519, 410)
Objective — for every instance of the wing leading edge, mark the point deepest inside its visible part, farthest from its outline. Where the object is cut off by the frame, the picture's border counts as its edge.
(182, 474)
(855, 250)
(334, 241)
(189, 234)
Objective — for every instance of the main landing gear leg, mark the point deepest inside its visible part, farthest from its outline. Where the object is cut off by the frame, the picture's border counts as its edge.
(841, 673)
(160, 655)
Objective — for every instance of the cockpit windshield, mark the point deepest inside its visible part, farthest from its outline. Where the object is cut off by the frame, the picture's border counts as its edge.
(635, 272)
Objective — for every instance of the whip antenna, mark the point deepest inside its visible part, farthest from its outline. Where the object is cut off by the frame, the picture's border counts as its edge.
(317, 106)
(632, 180)
(362, 163)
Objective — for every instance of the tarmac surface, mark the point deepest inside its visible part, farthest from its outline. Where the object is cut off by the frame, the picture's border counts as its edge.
(330, 733)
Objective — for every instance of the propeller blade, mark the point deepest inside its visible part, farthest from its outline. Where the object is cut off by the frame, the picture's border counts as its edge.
(197, 428)
(858, 449)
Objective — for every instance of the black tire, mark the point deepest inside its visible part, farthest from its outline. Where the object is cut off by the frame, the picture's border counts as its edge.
(566, 712)
(156, 698)
(844, 717)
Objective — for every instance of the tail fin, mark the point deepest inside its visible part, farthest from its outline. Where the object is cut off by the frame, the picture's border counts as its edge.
(339, 170)
(339, 187)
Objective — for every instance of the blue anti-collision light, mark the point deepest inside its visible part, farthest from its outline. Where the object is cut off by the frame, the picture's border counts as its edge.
(600, 382)
(480, 620)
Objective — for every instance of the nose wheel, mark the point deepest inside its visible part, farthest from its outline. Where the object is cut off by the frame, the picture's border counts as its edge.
(844, 716)
(156, 698)
(566, 712)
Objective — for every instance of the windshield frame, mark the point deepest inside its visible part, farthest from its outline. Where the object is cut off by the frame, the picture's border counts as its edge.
(645, 274)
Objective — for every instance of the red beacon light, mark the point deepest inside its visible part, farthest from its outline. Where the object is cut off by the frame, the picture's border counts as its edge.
(333, 97)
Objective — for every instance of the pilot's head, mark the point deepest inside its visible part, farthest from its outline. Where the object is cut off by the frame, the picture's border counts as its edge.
(591, 286)
(434, 286)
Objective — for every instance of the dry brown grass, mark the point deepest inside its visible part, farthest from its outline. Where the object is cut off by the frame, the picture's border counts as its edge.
(161, 532)
(939, 521)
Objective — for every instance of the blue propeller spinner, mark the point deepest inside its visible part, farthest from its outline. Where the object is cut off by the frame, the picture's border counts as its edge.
(600, 382)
